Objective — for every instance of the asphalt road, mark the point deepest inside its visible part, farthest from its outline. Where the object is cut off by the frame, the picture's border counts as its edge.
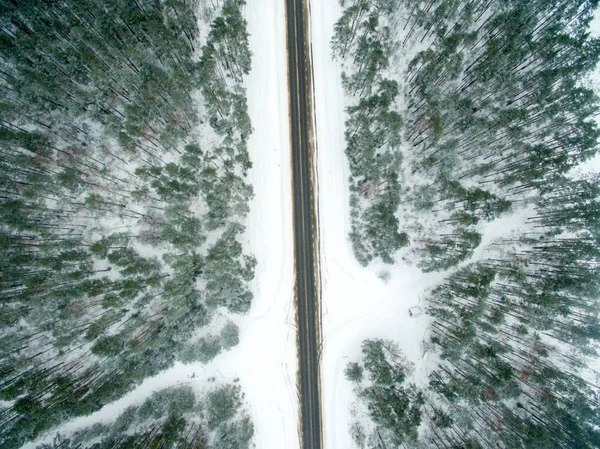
(304, 228)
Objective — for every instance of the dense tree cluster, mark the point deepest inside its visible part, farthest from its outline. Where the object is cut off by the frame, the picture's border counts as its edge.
(123, 197)
(393, 407)
(513, 343)
(491, 114)
(373, 132)
(491, 111)
(173, 418)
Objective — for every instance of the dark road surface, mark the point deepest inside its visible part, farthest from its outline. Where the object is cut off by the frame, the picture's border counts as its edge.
(304, 228)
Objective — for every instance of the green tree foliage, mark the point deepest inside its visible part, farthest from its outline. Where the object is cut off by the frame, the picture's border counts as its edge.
(114, 220)
(174, 417)
(480, 110)
(354, 372)
(394, 409)
(226, 270)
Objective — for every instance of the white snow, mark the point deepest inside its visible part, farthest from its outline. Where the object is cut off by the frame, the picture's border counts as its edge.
(357, 304)
(264, 362)
(268, 339)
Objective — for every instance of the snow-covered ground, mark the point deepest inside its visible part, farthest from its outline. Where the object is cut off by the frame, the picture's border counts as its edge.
(357, 303)
(264, 362)
(267, 351)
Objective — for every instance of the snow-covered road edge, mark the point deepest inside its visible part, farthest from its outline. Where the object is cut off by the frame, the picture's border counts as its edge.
(357, 304)
(268, 340)
(264, 363)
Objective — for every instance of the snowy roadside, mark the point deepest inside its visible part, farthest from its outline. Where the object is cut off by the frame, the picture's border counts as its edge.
(264, 362)
(357, 304)
(267, 347)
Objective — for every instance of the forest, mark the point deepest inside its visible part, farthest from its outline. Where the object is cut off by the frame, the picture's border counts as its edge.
(123, 197)
(463, 114)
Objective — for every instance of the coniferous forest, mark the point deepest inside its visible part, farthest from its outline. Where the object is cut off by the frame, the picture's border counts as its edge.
(124, 200)
(463, 115)
(123, 131)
